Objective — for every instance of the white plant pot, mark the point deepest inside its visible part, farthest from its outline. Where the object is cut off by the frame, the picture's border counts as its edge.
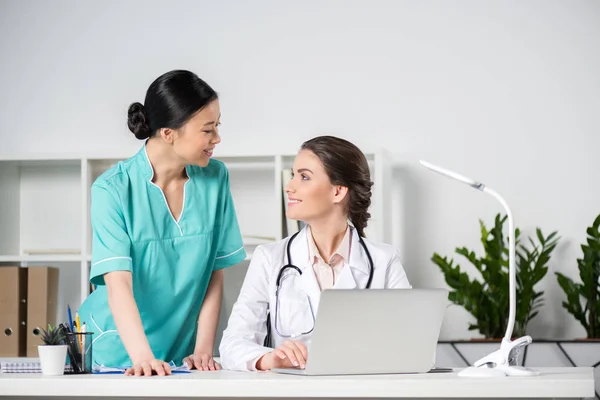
(53, 359)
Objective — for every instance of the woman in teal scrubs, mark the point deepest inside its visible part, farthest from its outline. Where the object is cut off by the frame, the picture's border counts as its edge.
(164, 227)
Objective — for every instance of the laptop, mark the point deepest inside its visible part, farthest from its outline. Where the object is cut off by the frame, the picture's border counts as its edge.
(374, 331)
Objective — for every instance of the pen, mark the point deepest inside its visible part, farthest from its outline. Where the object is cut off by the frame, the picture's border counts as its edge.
(83, 344)
(73, 350)
(70, 317)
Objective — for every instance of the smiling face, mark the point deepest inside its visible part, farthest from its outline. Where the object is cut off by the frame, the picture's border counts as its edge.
(311, 195)
(195, 141)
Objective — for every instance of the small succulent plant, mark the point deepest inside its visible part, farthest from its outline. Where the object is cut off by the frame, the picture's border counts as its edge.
(53, 336)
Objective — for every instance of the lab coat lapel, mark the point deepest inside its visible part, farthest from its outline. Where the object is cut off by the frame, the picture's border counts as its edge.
(308, 280)
(346, 279)
(310, 285)
(357, 268)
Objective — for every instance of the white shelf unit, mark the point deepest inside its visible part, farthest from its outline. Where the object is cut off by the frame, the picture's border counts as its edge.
(45, 201)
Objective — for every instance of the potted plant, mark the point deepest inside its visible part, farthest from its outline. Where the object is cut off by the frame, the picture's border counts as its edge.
(53, 353)
(488, 299)
(582, 298)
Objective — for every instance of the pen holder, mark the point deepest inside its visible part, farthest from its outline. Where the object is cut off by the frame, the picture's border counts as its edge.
(79, 349)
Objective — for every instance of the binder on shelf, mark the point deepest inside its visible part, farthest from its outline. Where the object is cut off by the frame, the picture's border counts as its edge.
(55, 252)
(42, 289)
(13, 308)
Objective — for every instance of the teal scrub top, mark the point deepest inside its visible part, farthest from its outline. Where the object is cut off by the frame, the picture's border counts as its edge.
(171, 261)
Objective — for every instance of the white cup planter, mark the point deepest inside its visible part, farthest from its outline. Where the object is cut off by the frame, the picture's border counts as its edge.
(53, 359)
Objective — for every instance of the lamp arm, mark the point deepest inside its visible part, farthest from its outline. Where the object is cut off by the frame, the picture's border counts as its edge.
(511, 265)
(501, 362)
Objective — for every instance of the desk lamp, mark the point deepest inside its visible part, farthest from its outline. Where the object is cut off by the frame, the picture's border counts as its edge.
(501, 362)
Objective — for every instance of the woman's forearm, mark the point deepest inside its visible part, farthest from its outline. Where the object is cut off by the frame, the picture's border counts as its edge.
(127, 316)
(209, 314)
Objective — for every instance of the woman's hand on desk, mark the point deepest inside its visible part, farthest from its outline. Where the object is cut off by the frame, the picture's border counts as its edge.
(148, 368)
(202, 362)
(291, 354)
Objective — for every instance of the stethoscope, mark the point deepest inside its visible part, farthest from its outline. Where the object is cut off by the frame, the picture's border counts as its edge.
(292, 266)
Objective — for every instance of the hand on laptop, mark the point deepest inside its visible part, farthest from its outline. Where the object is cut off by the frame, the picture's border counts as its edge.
(291, 354)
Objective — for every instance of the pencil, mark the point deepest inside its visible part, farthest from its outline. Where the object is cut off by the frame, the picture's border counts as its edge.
(78, 326)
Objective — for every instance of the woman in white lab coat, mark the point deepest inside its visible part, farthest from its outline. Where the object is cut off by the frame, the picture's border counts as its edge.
(330, 186)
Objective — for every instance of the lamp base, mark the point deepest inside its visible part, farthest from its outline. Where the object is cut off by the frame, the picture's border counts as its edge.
(501, 362)
(481, 372)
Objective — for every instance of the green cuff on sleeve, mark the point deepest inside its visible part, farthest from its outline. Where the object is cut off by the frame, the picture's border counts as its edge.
(110, 264)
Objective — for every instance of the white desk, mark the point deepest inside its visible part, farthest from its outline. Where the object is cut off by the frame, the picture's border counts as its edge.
(552, 383)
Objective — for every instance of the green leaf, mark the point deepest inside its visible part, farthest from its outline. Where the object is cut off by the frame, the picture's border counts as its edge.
(582, 298)
(486, 297)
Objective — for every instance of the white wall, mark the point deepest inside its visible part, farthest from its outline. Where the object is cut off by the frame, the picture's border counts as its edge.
(504, 91)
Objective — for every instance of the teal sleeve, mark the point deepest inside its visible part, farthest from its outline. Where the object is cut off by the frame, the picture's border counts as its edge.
(231, 246)
(110, 242)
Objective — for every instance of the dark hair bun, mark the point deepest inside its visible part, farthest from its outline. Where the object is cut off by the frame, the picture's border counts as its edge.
(137, 121)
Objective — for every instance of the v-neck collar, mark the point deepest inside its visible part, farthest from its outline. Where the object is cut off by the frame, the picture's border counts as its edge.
(148, 173)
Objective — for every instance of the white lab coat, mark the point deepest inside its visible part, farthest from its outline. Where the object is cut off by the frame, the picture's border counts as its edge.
(242, 342)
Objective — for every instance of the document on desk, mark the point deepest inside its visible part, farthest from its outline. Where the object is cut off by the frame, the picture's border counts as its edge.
(102, 369)
(25, 367)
